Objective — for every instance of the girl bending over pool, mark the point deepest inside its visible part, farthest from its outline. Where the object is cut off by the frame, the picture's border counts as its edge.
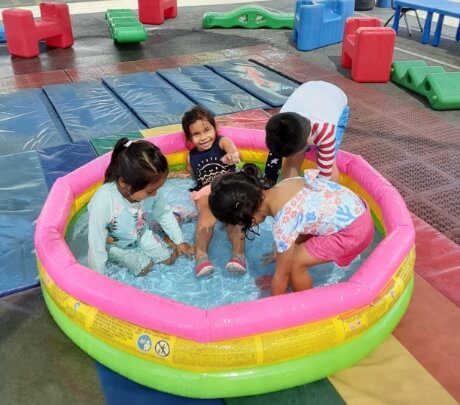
(119, 208)
(315, 220)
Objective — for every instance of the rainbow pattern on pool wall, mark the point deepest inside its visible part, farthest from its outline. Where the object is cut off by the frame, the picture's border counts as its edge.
(241, 349)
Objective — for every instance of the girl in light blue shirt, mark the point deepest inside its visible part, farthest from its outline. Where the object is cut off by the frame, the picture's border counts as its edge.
(118, 230)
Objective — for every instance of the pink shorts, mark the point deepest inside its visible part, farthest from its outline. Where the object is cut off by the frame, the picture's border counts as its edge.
(196, 195)
(342, 247)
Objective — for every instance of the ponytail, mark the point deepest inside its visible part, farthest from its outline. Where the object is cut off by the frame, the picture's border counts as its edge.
(139, 163)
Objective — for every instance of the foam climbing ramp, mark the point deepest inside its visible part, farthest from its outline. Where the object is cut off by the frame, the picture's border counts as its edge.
(28, 122)
(89, 110)
(106, 144)
(250, 16)
(257, 80)
(441, 88)
(155, 101)
(23, 191)
(399, 69)
(57, 161)
(205, 87)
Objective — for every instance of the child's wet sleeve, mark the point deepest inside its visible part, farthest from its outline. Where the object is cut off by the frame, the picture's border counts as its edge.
(161, 212)
(99, 217)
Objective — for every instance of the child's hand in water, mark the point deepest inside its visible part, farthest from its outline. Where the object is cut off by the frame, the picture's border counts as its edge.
(268, 257)
(179, 174)
(231, 158)
(185, 249)
(171, 259)
(181, 249)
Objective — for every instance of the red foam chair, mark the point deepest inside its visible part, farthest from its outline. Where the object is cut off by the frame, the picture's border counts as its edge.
(24, 33)
(155, 11)
(368, 49)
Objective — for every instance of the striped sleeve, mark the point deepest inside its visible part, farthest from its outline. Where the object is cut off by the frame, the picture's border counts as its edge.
(323, 137)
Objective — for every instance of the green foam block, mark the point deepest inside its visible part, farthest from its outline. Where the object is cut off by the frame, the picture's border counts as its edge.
(248, 17)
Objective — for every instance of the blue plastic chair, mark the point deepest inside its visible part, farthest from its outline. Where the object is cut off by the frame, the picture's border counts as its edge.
(404, 11)
(320, 22)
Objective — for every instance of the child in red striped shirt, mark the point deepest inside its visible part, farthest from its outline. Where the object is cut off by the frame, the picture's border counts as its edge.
(315, 114)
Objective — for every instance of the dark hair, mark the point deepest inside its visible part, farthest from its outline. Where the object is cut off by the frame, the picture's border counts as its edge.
(287, 133)
(235, 197)
(194, 114)
(139, 162)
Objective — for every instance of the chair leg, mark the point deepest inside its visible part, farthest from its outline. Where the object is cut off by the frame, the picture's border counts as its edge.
(388, 21)
(407, 24)
(418, 20)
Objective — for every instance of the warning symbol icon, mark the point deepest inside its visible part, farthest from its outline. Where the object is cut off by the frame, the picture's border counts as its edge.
(162, 348)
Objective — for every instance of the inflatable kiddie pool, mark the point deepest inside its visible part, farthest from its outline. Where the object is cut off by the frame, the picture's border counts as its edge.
(240, 349)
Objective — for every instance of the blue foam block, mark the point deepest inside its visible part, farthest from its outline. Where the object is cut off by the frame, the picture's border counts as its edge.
(257, 80)
(2, 33)
(212, 91)
(60, 160)
(120, 391)
(23, 192)
(153, 99)
(89, 110)
(28, 122)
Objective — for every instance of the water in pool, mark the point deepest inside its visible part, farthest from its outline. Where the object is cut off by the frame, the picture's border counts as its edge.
(178, 282)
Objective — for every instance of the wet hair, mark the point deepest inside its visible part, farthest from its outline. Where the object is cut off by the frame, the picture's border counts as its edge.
(139, 163)
(287, 133)
(235, 197)
(195, 114)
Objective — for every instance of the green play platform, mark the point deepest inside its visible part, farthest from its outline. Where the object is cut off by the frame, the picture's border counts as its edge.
(248, 17)
(441, 88)
(125, 26)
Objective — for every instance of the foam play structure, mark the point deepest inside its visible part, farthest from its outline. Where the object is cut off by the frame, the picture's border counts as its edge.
(441, 88)
(156, 11)
(368, 49)
(24, 33)
(320, 22)
(247, 348)
(124, 26)
(250, 16)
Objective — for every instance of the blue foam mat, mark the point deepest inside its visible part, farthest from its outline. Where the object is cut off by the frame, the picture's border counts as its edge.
(28, 122)
(22, 193)
(153, 99)
(90, 109)
(207, 88)
(60, 160)
(257, 80)
(120, 391)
